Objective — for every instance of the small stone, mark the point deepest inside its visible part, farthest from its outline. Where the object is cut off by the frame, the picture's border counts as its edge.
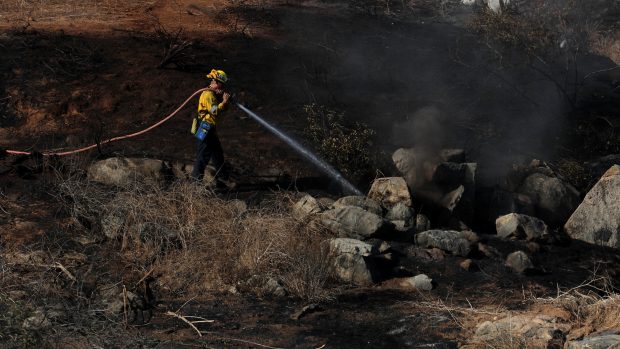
(421, 282)
(468, 265)
(519, 261)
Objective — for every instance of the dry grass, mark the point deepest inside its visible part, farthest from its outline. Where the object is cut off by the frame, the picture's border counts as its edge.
(198, 242)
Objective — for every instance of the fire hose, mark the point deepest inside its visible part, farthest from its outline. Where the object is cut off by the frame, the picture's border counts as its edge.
(322, 165)
(114, 139)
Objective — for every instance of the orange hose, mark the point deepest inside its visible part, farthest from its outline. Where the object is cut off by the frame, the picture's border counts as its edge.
(114, 139)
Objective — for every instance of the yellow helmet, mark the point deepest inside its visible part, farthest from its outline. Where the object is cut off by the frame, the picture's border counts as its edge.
(218, 75)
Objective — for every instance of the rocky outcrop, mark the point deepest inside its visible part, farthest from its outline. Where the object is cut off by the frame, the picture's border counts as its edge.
(456, 242)
(352, 222)
(597, 219)
(519, 226)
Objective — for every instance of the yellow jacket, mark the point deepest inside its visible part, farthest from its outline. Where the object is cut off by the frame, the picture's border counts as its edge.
(208, 109)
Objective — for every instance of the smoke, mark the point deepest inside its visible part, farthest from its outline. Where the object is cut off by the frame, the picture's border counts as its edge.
(425, 84)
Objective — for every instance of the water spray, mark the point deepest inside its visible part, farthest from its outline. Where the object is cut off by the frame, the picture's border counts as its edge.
(321, 164)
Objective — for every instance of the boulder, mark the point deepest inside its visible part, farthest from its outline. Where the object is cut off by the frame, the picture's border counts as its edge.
(554, 200)
(352, 246)
(351, 261)
(401, 212)
(389, 191)
(456, 242)
(522, 331)
(420, 282)
(520, 226)
(352, 221)
(363, 202)
(306, 206)
(597, 219)
(125, 171)
(519, 261)
(598, 341)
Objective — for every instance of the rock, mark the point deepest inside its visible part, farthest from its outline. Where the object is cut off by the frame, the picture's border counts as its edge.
(420, 282)
(111, 225)
(379, 245)
(352, 246)
(554, 200)
(597, 219)
(468, 265)
(306, 206)
(264, 286)
(426, 254)
(182, 171)
(401, 212)
(126, 171)
(359, 201)
(527, 331)
(310, 308)
(406, 159)
(521, 226)
(325, 203)
(351, 221)
(351, 262)
(456, 242)
(489, 251)
(598, 341)
(41, 319)
(389, 191)
(422, 223)
(273, 287)
(459, 180)
(519, 261)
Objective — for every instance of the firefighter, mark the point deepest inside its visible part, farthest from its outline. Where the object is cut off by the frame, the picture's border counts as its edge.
(211, 104)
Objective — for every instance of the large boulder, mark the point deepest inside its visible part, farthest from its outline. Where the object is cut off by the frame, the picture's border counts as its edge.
(389, 191)
(520, 226)
(597, 219)
(521, 331)
(456, 242)
(553, 199)
(598, 341)
(352, 262)
(352, 221)
(367, 204)
(125, 171)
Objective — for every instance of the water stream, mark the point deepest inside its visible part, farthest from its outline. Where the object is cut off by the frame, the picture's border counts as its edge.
(318, 162)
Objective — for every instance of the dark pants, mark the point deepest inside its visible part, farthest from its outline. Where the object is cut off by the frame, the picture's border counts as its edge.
(209, 149)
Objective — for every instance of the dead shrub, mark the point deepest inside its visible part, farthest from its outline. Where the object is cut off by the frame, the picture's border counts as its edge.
(175, 44)
(198, 242)
(348, 147)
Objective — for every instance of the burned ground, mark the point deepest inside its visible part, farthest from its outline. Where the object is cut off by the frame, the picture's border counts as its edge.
(71, 76)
